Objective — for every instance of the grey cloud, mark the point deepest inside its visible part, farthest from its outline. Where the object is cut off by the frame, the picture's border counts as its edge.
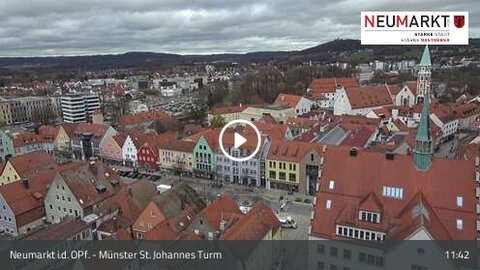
(70, 27)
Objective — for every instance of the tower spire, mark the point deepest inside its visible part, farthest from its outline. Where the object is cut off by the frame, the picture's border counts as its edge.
(424, 76)
(423, 152)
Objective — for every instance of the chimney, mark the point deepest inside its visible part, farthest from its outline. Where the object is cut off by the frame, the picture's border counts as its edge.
(390, 156)
(353, 152)
(25, 183)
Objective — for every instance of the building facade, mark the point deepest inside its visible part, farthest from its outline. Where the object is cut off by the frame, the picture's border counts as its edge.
(77, 108)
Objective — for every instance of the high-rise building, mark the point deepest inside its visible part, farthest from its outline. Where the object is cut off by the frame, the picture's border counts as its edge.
(76, 108)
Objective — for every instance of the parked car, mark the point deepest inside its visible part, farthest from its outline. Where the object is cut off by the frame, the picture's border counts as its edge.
(287, 222)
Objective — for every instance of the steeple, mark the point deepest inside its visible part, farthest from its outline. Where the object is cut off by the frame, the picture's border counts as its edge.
(425, 58)
(423, 152)
(423, 77)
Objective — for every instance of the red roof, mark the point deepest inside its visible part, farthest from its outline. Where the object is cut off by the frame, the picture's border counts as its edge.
(412, 86)
(229, 109)
(254, 225)
(141, 117)
(369, 96)
(371, 172)
(27, 138)
(290, 150)
(328, 85)
(220, 208)
(97, 129)
(34, 162)
(288, 100)
(48, 133)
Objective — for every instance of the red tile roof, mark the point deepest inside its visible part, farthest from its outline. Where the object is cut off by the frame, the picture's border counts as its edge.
(290, 150)
(61, 231)
(141, 117)
(84, 180)
(34, 162)
(97, 129)
(466, 110)
(27, 138)
(48, 133)
(370, 172)
(412, 86)
(369, 96)
(179, 146)
(254, 225)
(328, 85)
(220, 208)
(229, 109)
(288, 100)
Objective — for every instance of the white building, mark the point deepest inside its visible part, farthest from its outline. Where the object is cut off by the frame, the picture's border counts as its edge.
(246, 172)
(361, 100)
(76, 108)
(300, 104)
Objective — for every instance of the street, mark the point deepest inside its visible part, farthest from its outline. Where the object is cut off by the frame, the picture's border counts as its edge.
(299, 211)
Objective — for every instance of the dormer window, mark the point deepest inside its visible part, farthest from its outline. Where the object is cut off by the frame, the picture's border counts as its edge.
(459, 224)
(369, 216)
(331, 185)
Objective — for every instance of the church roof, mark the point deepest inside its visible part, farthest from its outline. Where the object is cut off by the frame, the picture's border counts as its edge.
(426, 58)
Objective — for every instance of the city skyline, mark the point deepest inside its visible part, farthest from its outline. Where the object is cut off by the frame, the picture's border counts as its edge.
(28, 28)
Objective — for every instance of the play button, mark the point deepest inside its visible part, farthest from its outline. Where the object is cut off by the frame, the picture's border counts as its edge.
(239, 140)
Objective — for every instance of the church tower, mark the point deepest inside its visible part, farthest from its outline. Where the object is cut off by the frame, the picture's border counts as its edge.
(423, 152)
(424, 76)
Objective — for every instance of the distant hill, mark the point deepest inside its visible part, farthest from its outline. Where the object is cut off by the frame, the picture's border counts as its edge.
(323, 51)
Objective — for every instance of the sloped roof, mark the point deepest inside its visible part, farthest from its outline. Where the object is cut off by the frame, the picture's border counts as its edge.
(328, 85)
(290, 150)
(85, 180)
(176, 200)
(65, 229)
(141, 117)
(96, 129)
(220, 208)
(369, 96)
(34, 162)
(178, 145)
(288, 100)
(48, 133)
(369, 172)
(27, 138)
(254, 225)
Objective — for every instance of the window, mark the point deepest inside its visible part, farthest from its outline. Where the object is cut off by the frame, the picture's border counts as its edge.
(331, 185)
(320, 265)
(347, 254)
(392, 192)
(152, 213)
(282, 176)
(459, 224)
(329, 204)
(333, 251)
(418, 267)
(320, 249)
(273, 175)
(312, 157)
(362, 257)
(459, 201)
(292, 177)
(333, 267)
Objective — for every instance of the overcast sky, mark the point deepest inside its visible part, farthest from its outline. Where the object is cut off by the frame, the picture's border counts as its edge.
(79, 27)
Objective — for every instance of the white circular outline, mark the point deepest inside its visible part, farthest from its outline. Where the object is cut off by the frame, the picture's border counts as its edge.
(259, 140)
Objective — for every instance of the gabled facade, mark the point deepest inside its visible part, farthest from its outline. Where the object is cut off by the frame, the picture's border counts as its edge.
(301, 104)
(204, 158)
(111, 149)
(87, 139)
(22, 166)
(76, 192)
(6, 145)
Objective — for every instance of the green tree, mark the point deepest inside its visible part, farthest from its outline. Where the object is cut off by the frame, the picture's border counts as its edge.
(217, 121)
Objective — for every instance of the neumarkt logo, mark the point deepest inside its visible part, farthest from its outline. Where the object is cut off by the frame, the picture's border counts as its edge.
(414, 28)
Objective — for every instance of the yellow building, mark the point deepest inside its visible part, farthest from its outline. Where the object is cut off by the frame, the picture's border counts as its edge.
(293, 166)
(62, 141)
(279, 112)
(21, 166)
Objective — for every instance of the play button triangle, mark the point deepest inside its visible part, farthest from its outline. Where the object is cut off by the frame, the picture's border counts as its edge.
(238, 140)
